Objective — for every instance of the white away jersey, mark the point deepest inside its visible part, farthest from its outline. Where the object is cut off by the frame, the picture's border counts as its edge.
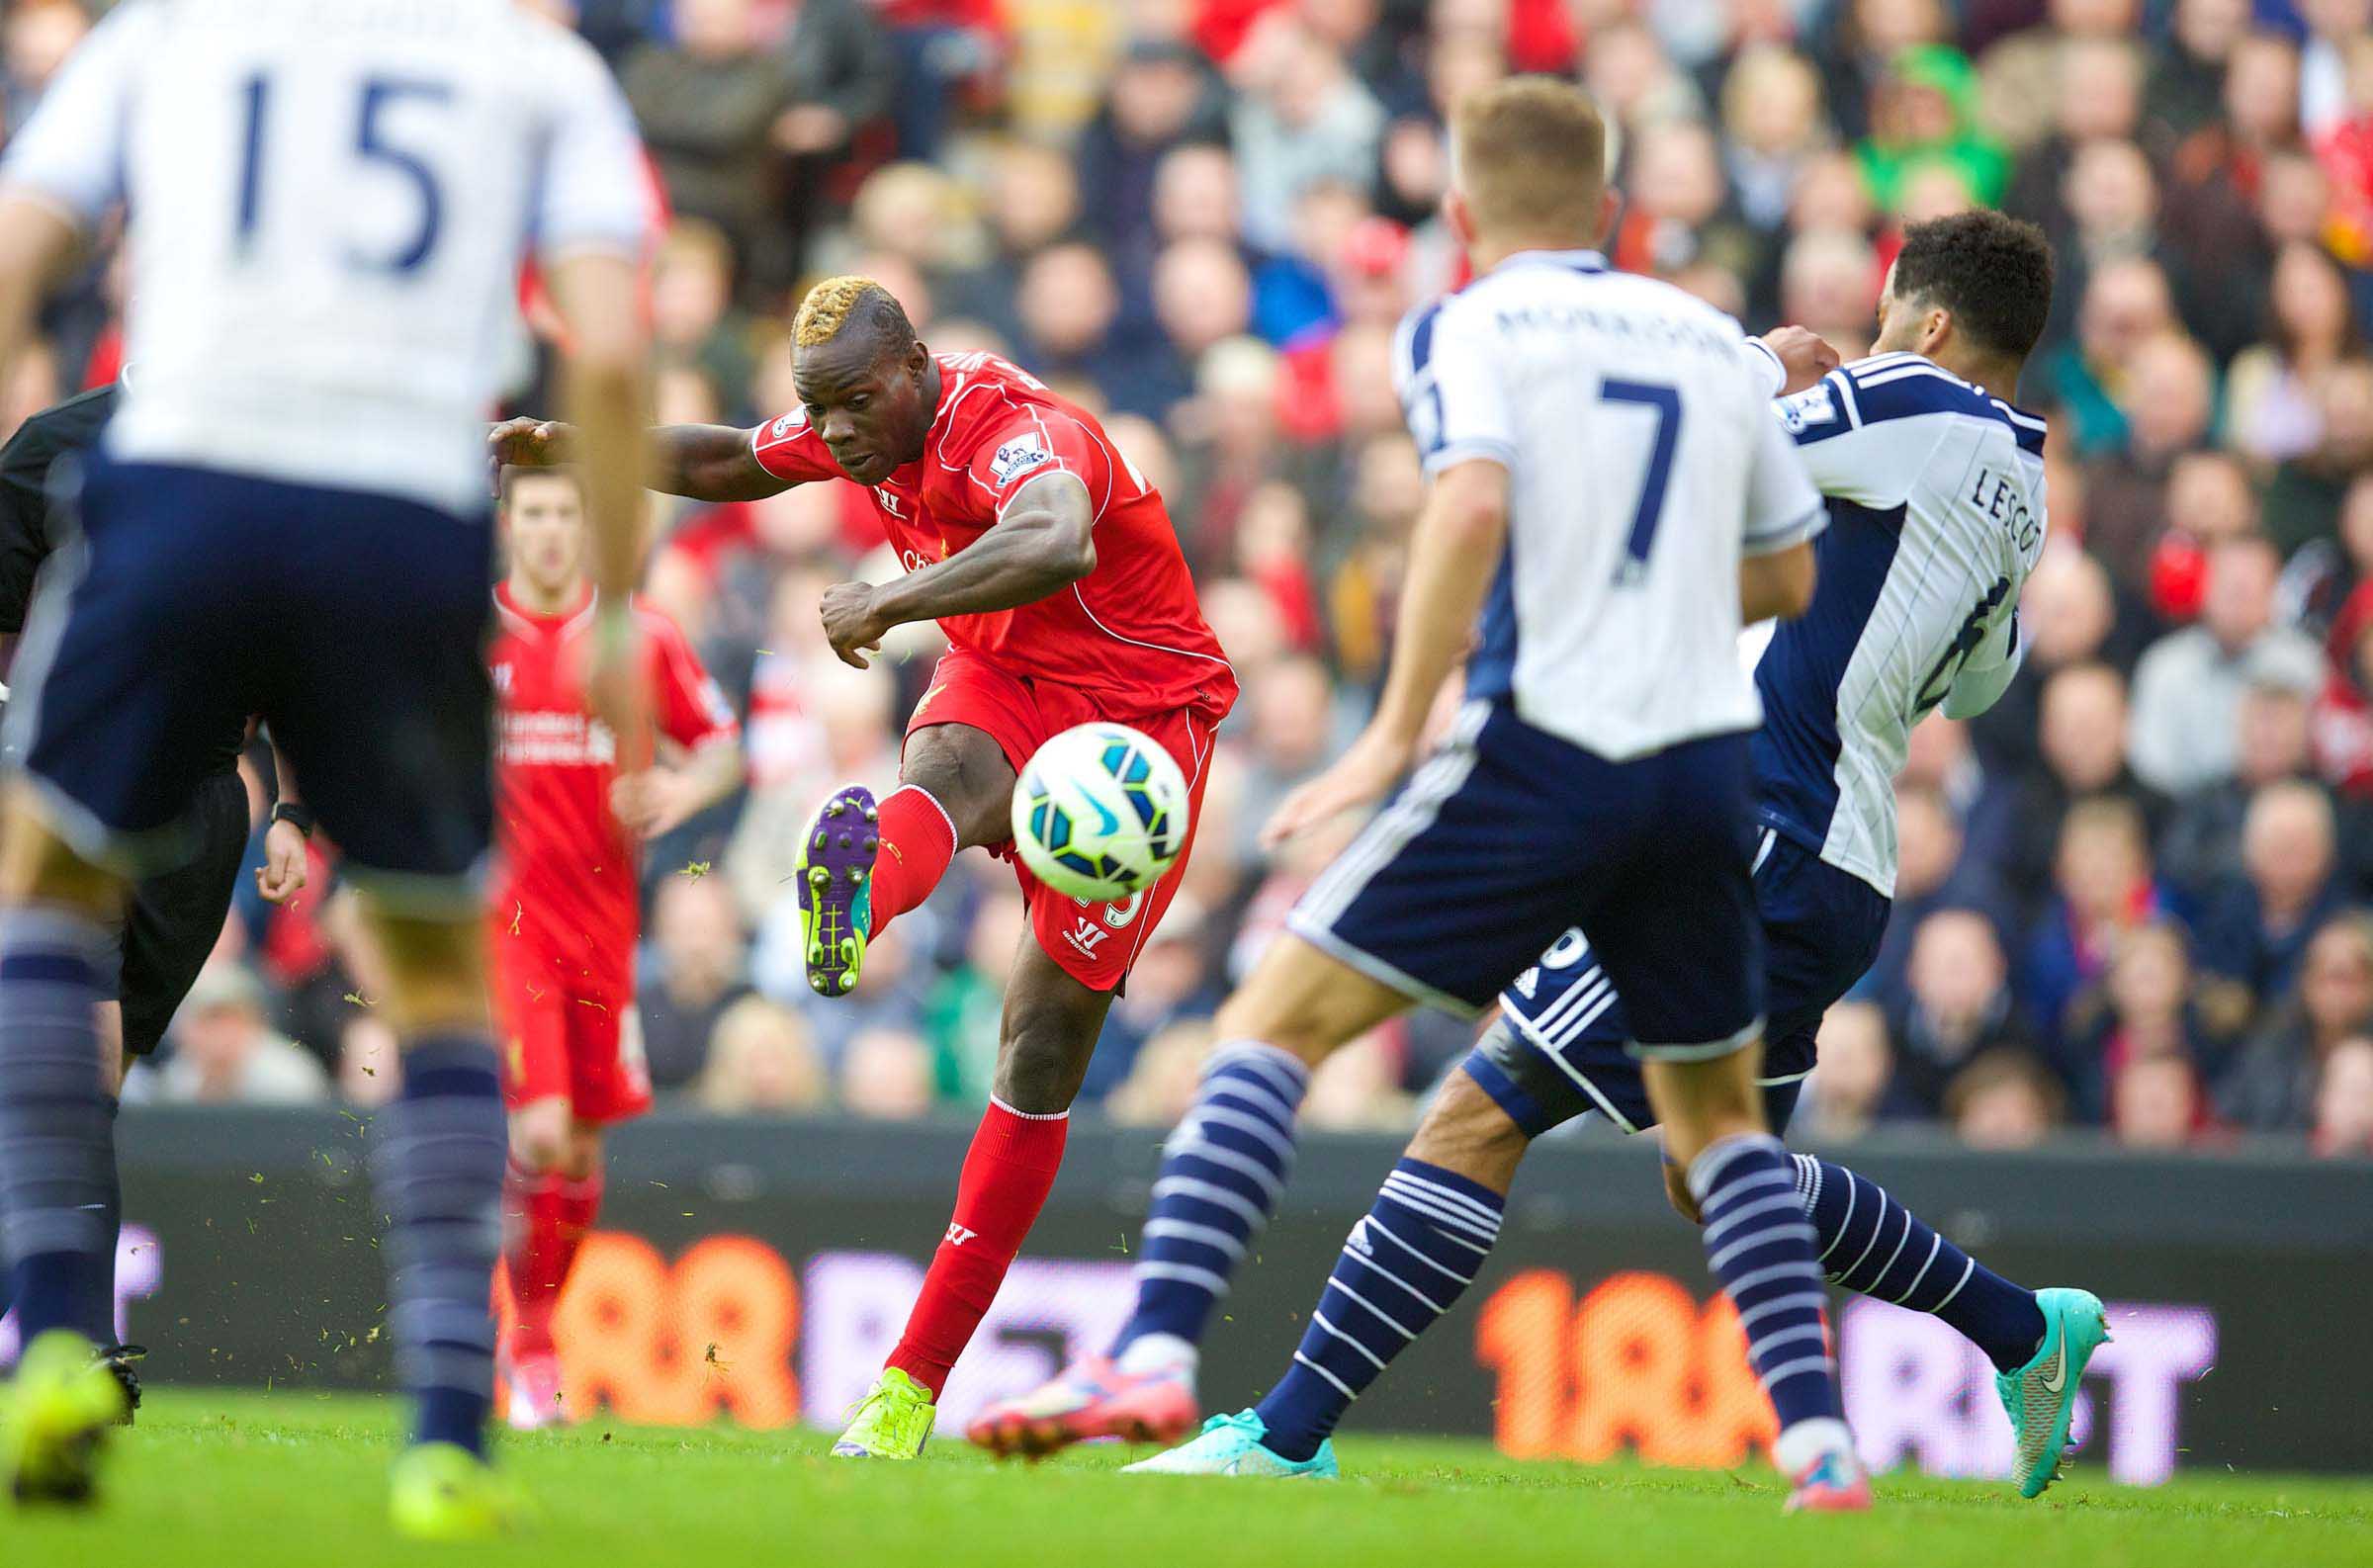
(1936, 516)
(330, 200)
(1642, 463)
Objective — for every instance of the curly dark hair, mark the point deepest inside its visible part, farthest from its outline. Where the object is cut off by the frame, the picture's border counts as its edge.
(1994, 272)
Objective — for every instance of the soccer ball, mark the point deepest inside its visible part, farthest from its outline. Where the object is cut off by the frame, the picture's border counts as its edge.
(1100, 813)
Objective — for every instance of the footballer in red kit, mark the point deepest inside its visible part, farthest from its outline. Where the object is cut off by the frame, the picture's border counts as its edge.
(570, 814)
(1052, 567)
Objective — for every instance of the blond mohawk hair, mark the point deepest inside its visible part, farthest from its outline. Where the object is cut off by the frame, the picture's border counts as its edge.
(833, 303)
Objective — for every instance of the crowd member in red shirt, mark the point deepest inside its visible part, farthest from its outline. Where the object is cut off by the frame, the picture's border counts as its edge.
(573, 803)
(1052, 567)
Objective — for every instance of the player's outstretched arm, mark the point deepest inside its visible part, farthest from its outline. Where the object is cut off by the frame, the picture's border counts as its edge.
(702, 463)
(1455, 551)
(1044, 541)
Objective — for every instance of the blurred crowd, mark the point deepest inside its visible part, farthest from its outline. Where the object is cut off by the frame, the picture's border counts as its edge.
(2134, 896)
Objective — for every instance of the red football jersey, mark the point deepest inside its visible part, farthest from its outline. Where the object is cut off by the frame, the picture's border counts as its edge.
(569, 870)
(1132, 629)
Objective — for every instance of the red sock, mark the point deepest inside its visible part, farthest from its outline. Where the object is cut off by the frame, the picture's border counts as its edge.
(1007, 1177)
(918, 841)
(549, 1215)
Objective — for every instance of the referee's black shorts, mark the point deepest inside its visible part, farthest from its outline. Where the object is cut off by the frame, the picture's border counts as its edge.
(173, 919)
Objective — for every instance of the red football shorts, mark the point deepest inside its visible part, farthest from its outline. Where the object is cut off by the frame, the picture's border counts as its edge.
(565, 1037)
(1094, 943)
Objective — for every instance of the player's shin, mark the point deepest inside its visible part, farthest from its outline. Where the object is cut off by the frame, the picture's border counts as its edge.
(1403, 1265)
(1008, 1173)
(437, 1165)
(1874, 1245)
(919, 840)
(57, 1155)
(1222, 1172)
(546, 1215)
(1760, 1246)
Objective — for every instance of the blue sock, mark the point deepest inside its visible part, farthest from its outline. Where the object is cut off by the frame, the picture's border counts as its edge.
(437, 1165)
(100, 1328)
(1761, 1248)
(1221, 1175)
(1403, 1265)
(1874, 1245)
(58, 1144)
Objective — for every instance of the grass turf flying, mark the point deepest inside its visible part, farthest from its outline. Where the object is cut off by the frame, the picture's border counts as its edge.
(833, 875)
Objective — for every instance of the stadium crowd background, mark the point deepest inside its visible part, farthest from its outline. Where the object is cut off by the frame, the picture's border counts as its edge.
(2137, 896)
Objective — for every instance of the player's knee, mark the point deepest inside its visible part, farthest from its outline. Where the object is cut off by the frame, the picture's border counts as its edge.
(37, 866)
(1305, 1025)
(966, 772)
(540, 1138)
(1468, 1133)
(584, 1151)
(1043, 1059)
(436, 973)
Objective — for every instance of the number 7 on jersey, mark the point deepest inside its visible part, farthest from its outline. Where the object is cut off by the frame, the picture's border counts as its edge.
(1666, 404)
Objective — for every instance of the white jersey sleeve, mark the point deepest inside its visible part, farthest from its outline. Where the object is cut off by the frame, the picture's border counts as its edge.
(1784, 509)
(1872, 464)
(596, 191)
(70, 154)
(1451, 392)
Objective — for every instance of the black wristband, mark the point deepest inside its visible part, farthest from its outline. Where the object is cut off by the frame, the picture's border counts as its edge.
(293, 814)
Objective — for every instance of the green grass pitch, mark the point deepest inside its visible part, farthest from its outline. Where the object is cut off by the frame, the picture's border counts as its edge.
(294, 1478)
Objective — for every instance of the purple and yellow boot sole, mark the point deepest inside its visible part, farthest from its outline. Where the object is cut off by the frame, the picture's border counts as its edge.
(835, 878)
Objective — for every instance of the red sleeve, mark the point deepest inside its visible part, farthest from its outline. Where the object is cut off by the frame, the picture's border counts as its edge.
(1039, 441)
(789, 448)
(687, 704)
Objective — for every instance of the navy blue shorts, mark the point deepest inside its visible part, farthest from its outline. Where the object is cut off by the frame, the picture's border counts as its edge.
(1559, 1048)
(354, 623)
(1507, 835)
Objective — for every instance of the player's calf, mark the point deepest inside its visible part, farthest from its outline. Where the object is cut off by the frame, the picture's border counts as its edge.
(438, 1157)
(550, 1193)
(58, 1154)
(1051, 1025)
(1760, 1246)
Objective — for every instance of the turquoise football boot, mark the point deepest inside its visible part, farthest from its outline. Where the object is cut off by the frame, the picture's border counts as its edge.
(1232, 1445)
(2041, 1397)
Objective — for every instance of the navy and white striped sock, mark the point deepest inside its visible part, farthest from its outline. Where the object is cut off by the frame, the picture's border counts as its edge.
(57, 1133)
(1760, 1246)
(1404, 1264)
(437, 1165)
(1874, 1245)
(1222, 1172)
